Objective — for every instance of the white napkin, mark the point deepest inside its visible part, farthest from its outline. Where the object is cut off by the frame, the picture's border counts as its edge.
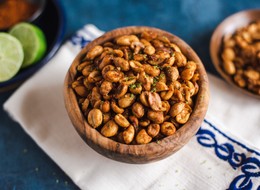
(223, 155)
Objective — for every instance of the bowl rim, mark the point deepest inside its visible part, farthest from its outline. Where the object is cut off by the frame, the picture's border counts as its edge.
(223, 28)
(96, 139)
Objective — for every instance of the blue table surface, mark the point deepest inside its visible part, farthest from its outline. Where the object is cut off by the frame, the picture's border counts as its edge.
(23, 165)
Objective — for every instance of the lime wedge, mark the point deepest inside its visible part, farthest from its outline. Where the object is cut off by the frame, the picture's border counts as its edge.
(33, 41)
(11, 56)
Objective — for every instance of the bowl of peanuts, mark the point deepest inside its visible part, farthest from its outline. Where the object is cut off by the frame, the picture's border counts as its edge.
(136, 94)
(235, 51)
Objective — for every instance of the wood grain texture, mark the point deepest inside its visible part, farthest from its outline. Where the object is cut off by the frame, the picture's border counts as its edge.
(137, 154)
(229, 26)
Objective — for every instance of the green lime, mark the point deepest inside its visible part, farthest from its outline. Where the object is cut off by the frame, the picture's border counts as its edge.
(11, 56)
(33, 41)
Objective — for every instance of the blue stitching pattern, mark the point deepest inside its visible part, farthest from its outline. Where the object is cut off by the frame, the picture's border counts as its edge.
(238, 143)
(249, 166)
(79, 40)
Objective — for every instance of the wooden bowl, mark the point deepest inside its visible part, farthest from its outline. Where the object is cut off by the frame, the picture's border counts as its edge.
(229, 26)
(137, 153)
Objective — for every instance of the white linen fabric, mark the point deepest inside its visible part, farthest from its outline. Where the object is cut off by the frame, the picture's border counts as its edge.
(224, 154)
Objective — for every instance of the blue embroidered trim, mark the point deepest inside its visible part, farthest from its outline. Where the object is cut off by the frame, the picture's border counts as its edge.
(238, 143)
(249, 166)
(79, 40)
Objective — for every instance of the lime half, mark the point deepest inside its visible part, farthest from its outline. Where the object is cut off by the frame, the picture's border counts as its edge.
(11, 56)
(33, 41)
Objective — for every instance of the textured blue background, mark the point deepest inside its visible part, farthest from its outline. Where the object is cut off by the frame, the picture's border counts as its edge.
(23, 165)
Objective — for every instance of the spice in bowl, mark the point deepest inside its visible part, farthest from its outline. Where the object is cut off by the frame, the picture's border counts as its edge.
(241, 57)
(13, 11)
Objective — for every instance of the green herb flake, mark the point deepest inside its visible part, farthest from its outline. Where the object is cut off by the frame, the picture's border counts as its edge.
(132, 86)
(162, 75)
(138, 85)
(153, 90)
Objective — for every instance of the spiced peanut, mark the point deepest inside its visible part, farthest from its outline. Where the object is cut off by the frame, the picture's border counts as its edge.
(138, 88)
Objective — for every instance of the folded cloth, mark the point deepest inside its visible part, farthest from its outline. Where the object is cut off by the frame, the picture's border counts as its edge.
(224, 154)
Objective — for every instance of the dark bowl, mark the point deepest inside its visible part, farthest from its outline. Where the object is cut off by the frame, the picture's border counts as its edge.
(52, 22)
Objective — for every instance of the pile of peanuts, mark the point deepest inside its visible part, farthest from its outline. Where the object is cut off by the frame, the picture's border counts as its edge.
(241, 57)
(136, 89)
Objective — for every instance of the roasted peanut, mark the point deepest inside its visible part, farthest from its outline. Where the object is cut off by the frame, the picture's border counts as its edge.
(172, 74)
(109, 129)
(148, 35)
(229, 67)
(142, 137)
(153, 130)
(129, 134)
(153, 71)
(106, 117)
(149, 50)
(126, 101)
(136, 88)
(167, 128)
(180, 59)
(94, 52)
(177, 108)
(122, 63)
(161, 86)
(166, 95)
(121, 91)
(94, 76)
(134, 121)
(85, 105)
(81, 91)
(115, 107)
(228, 54)
(143, 98)
(126, 40)
(145, 80)
(183, 116)
(95, 96)
(95, 118)
(144, 123)
(121, 120)
(106, 87)
(155, 116)
(113, 76)
(105, 106)
(87, 70)
(189, 70)
(155, 101)
(137, 46)
(136, 66)
(107, 60)
(138, 110)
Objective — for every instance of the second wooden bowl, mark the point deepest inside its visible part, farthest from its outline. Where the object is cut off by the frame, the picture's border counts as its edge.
(228, 27)
(137, 153)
